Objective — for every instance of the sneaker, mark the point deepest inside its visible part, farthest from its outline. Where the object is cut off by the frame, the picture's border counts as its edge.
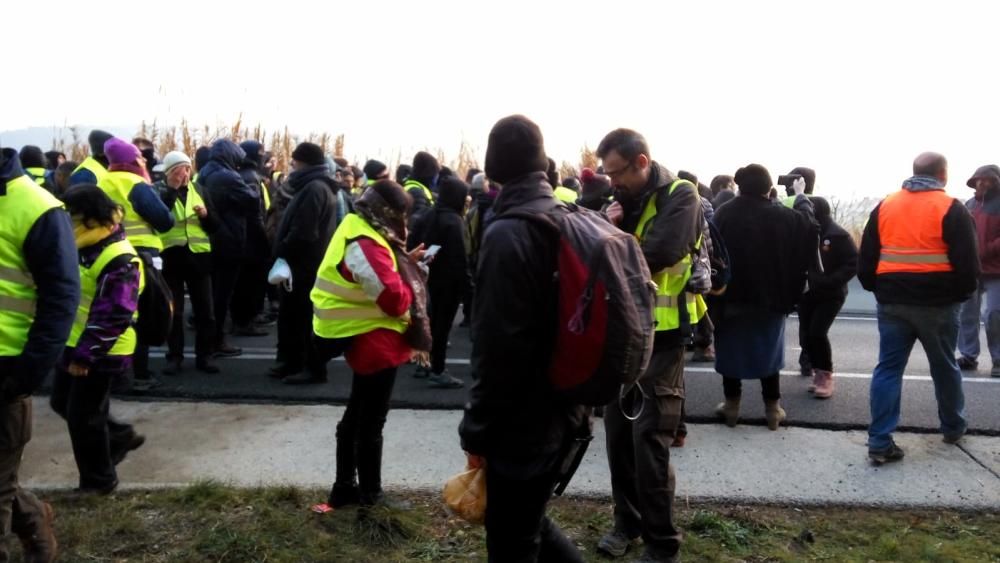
(952, 438)
(444, 380)
(422, 372)
(145, 384)
(616, 544)
(173, 367)
(967, 364)
(225, 350)
(886, 455)
(103, 490)
(249, 330)
(134, 443)
(265, 319)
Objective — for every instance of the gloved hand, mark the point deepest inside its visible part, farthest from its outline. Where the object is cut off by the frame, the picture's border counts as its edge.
(799, 186)
(280, 274)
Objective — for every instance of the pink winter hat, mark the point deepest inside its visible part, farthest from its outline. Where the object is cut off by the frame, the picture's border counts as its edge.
(118, 151)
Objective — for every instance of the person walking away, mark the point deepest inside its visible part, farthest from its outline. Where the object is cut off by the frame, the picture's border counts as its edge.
(448, 280)
(235, 204)
(665, 215)
(985, 209)
(514, 425)
(771, 249)
(919, 256)
(362, 293)
(102, 340)
(825, 296)
(39, 293)
(94, 167)
(187, 262)
(145, 217)
(302, 238)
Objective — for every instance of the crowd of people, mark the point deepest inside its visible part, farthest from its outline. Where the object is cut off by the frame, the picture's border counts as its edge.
(350, 261)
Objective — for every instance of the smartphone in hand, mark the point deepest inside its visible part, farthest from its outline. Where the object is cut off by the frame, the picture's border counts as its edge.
(430, 253)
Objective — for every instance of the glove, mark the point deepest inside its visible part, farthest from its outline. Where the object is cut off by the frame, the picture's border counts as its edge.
(799, 186)
(280, 274)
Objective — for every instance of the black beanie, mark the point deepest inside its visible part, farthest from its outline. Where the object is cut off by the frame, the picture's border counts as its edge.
(309, 154)
(808, 174)
(425, 167)
(96, 140)
(373, 169)
(515, 149)
(754, 179)
(452, 192)
(201, 157)
(32, 157)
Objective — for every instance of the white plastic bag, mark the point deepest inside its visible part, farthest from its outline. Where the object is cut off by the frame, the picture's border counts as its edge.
(280, 274)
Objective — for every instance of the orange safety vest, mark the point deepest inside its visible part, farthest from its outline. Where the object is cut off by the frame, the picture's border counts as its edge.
(910, 226)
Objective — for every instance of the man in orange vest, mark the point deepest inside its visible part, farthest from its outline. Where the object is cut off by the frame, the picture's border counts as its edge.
(918, 255)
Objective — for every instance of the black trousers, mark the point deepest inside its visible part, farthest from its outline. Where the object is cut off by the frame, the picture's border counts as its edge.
(815, 319)
(179, 271)
(224, 277)
(642, 477)
(295, 331)
(770, 387)
(84, 403)
(444, 303)
(248, 294)
(20, 511)
(359, 434)
(517, 529)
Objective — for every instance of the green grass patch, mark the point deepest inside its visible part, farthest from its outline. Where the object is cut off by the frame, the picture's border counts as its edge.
(214, 523)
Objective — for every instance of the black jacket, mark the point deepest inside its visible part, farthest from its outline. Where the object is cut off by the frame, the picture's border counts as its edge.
(771, 249)
(51, 257)
(443, 226)
(839, 255)
(938, 288)
(309, 220)
(512, 412)
(231, 200)
(673, 232)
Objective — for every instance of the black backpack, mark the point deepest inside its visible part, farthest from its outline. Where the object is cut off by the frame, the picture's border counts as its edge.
(156, 306)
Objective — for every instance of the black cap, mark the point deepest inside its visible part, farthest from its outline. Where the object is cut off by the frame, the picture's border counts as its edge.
(96, 140)
(309, 154)
(425, 167)
(373, 169)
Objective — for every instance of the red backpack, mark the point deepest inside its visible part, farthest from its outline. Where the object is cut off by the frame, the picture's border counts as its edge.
(606, 300)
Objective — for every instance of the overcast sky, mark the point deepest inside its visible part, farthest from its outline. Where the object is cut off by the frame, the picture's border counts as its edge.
(854, 89)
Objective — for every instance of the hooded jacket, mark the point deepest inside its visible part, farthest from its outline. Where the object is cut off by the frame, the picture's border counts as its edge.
(512, 412)
(936, 288)
(443, 226)
(230, 199)
(838, 253)
(309, 220)
(986, 216)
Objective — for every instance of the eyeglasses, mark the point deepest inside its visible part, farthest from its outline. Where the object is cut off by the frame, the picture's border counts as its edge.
(615, 173)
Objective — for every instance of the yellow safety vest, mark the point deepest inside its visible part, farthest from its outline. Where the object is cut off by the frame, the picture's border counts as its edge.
(341, 308)
(22, 205)
(415, 184)
(266, 195)
(37, 174)
(187, 229)
(95, 167)
(671, 281)
(118, 185)
(565, 194)
(125, 345)
(789, 201)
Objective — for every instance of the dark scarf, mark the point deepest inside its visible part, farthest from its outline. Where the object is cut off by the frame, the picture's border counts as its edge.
(391, 224)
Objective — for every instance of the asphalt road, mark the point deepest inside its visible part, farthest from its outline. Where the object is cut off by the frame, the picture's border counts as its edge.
(855, 343)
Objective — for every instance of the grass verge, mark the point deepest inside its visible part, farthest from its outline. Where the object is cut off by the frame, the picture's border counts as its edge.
(212, 522)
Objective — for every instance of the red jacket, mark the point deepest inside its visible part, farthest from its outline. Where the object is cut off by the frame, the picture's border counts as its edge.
(986, 214)
(382, 348)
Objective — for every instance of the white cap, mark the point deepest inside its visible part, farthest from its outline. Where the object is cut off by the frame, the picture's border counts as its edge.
(174, 158)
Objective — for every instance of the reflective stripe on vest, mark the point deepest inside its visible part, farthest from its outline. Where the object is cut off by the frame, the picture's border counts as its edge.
(910, 229)
(20, 208)
(125, 345)
(187, 230)
(411, 184)
(341, 308)
(671, 281)
(118, 185)
(95, 167)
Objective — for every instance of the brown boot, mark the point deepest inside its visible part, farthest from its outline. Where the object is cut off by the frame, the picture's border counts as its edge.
(40, 546)
(774, 414)
(729, 411)
(824, 384)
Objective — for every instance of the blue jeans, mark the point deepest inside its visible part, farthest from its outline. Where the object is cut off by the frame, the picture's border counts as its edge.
(968, 340)
(899, 326)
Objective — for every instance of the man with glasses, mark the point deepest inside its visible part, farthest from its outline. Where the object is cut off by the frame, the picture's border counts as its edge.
(665, 215)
